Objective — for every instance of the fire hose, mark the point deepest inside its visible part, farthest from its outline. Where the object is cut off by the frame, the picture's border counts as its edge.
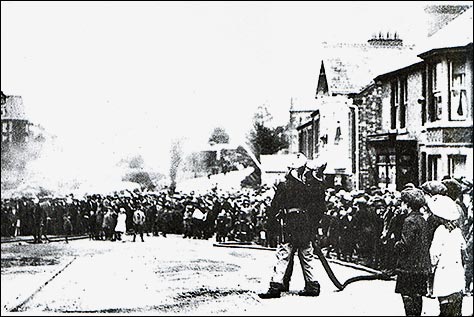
(341, 286)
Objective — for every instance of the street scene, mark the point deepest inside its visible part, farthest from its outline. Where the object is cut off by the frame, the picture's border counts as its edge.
(172, 276)
(237, 158)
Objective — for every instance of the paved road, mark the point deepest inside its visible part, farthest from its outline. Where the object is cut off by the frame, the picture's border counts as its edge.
(177, 276)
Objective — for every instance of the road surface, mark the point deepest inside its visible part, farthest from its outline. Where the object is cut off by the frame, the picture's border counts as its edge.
(175, 276)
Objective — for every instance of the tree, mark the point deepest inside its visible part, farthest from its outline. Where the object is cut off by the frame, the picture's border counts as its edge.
(219, 136)
(263, 138)
(136, 172)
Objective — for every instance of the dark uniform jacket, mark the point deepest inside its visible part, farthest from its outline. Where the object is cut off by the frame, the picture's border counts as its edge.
(299, 227)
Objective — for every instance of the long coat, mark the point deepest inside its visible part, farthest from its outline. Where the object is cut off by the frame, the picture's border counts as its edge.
(413, 247)
(445, 254)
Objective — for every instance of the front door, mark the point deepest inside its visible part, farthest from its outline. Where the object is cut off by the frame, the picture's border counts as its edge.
(407, 163)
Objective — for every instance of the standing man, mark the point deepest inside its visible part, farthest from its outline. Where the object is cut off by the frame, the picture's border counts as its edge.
(67, 226)
(138, 223)
(291, 213)
(413, 253)
(38, 220)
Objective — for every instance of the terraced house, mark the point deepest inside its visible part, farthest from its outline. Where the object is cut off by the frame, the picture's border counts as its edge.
(427, 113)
(426, 119)
(408, 123)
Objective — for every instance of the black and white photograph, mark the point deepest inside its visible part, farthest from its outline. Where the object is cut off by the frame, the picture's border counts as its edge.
(237, 158)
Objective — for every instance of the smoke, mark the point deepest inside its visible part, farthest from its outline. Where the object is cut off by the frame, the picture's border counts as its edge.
(176, 156)
(48, 164)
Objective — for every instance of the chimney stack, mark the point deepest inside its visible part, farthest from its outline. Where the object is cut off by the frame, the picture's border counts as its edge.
(381, 41)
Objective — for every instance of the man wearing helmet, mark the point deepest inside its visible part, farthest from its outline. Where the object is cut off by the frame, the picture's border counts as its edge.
(291, 212)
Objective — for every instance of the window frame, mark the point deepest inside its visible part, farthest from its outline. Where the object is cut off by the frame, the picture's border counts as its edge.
(433, 169)
(393, 104)
(403, 101)
(451, 162)
(460, 89)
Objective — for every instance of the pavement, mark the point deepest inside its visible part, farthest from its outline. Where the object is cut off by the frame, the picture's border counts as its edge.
(176, 276)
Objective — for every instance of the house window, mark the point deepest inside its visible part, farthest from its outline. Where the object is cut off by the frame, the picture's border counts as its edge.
(436, 100)
(393, 104)
(300, 141)
(316, 135)
(456, 165)
(423, 101)
(423, 167)
(305, 146)
(386, 166)
(403, 102)
(338, 134)
(433, 167)
(458, 96)
(310, 144)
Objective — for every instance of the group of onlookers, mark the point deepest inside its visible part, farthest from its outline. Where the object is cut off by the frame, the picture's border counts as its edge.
(424, 234)
(434, 250)
(234, 216)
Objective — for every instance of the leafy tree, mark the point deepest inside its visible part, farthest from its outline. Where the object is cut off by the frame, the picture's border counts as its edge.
(219, 136)
(263, 138)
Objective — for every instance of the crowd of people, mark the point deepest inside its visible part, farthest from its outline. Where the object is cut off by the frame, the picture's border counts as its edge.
(231, 216)
(434, 252)
(358, 226)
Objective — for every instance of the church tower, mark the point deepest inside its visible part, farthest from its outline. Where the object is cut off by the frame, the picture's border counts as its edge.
(322, 89)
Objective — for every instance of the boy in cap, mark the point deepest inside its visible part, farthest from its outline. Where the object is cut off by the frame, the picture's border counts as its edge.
(413, 250)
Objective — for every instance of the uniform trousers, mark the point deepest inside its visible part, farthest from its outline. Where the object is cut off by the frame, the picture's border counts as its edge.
(285, 253)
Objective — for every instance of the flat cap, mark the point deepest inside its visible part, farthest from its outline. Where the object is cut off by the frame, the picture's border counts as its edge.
(434, 188)
(414, 197)
(454, 188)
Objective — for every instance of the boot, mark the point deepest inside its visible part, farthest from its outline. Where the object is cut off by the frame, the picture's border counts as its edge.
(413, 305)
(273, 292)
(311, 289)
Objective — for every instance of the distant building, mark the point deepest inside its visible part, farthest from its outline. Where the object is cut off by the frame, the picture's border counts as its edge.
(22, 141)
(412, 123)
(15, 134)
(327, 125)
(15, 125)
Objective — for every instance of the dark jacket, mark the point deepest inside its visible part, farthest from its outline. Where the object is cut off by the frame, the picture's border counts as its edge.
(317, 203)
(299, 228)
(413, 247)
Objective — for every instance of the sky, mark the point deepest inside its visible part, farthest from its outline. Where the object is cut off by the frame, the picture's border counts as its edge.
(113, 79)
